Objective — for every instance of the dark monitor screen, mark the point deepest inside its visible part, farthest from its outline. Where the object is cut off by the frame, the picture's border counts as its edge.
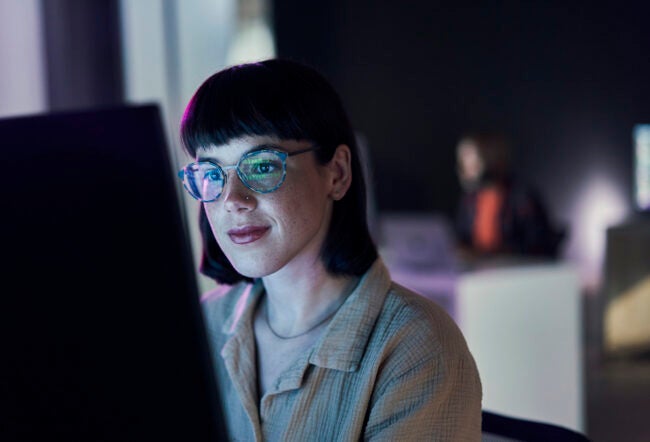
(102, 333)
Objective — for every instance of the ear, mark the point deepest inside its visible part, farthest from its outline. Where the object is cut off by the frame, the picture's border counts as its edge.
(340, 169)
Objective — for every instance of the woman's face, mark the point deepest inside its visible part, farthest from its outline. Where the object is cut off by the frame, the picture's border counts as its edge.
(263, 233)
(470, 163)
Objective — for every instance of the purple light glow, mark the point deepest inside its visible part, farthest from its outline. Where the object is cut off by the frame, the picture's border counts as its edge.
(598, 204)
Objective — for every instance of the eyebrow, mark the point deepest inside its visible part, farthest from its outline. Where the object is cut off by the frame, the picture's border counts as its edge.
(252, 149)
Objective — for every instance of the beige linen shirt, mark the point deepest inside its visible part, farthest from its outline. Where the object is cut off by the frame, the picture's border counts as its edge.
(391, 366)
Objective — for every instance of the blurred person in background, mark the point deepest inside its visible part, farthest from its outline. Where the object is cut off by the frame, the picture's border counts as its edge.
(499, 214)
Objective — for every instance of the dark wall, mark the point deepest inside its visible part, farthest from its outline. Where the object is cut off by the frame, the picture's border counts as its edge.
(567, 81)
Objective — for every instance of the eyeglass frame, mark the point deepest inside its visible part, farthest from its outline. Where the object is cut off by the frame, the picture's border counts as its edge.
(268, 148)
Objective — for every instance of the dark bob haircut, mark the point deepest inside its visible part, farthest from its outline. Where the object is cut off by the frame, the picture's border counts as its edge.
(290, 101)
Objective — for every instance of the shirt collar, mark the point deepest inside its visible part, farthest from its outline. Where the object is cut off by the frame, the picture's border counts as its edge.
(344, 341)
(244, 309)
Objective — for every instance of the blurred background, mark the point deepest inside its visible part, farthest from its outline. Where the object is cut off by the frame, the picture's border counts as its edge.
(568, 84)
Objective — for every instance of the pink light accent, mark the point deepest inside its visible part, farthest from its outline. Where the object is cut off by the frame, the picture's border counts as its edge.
(240, 306)
(216, 293)
(186, 112)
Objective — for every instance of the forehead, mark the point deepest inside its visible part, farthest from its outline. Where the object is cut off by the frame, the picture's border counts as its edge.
(467, 143)
(467, 148)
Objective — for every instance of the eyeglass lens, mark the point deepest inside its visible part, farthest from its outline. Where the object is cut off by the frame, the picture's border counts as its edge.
(261, 171)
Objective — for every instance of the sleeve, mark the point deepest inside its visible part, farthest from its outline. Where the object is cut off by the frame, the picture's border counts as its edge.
(438, 399)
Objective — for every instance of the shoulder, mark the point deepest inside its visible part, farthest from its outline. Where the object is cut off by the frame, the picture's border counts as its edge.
(219, 303)
(427, 385)
(522, 191)
(415, 325)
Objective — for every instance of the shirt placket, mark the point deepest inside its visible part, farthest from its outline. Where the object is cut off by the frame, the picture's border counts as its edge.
(276, 402)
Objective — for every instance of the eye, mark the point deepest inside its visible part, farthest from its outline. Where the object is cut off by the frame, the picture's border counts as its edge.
(262, 167)
(212, 175)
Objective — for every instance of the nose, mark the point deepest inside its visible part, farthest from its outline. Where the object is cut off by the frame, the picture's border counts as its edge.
(236, 196)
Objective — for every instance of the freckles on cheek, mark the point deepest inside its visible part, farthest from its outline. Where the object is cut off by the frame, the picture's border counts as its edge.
(301, 210)
(215, 232)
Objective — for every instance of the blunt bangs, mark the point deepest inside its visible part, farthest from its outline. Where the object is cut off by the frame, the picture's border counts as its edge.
(269, 98)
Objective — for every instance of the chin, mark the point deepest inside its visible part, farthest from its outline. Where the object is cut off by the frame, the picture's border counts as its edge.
(253, 267)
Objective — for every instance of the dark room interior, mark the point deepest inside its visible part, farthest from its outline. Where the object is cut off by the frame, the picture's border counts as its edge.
(568, 82)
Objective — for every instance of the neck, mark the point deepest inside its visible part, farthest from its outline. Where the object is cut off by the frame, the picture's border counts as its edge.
(298, 304)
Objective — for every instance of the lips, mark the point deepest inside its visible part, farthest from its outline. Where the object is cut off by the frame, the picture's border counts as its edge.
(247, 234)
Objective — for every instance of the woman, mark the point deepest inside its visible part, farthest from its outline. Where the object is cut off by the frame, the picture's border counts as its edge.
(311, 339)
(498, 214)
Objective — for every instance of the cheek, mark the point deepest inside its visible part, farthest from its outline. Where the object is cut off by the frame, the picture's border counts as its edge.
(212, 215)
(312, 217)
(305, 204)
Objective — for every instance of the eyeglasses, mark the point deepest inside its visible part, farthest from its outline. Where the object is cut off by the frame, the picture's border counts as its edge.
(262, 171)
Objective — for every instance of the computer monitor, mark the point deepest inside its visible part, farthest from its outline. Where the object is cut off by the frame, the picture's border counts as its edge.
(102, 331)
(641, 136)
